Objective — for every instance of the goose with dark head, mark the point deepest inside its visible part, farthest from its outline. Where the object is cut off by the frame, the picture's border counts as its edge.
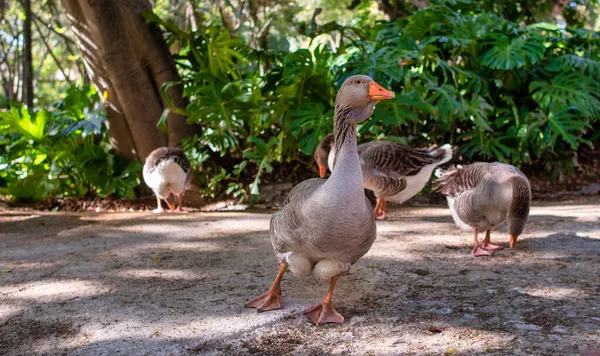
(311, 233)
(482, 196)
(167, 171)
(394, 172)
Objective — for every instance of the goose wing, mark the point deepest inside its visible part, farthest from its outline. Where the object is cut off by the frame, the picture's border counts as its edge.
(387, 164)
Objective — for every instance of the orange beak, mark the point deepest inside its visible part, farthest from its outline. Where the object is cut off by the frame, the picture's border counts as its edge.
(322, 170)
(377, 92)
(513, 241)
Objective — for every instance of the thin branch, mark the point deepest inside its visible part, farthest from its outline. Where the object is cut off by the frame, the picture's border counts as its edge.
(49, 26)
(49, 49)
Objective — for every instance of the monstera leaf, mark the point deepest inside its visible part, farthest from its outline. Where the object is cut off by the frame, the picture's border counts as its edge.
(509, 53)
(572, 90)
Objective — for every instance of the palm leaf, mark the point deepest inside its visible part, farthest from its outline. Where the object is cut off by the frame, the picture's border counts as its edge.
(588, 66)
(571, 90)
(19, 121)
(508, 53)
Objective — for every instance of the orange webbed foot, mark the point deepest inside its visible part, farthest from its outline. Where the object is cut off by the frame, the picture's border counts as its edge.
(268, 301)
(479, 252)
(494, 247)
(324, 313)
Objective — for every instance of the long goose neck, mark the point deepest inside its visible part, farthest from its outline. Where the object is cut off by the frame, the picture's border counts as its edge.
(518, 210)
(346, 162)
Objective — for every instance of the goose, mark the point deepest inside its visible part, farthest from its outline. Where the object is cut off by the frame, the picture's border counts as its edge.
(326, 225)
(167, 171)
(394, 172)
(482, 196)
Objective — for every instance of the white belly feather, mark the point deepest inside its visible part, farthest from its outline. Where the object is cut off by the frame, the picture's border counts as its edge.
(414, 184)
(168, 178)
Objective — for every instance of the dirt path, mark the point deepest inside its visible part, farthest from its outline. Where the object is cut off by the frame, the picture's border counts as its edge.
(137, 283)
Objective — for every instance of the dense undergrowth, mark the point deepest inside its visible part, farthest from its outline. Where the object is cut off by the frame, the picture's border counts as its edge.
(63, 151)
(526, 95)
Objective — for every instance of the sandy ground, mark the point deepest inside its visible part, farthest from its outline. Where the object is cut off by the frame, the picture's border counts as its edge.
(138, 283)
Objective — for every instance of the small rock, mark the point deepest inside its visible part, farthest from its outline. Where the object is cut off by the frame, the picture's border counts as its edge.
(560, 329)
(571, 314)
(489, 309)
(591, 189)
(430, 303)
(442, 311)
(469, 317)
(494, 320)
(283, 187)
(420, 272)
(594, 318)
(554, 337)
(528, 327)
(358, 319)
(491, 291)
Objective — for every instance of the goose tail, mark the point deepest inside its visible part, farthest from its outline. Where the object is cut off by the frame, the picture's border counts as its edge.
(444, 153)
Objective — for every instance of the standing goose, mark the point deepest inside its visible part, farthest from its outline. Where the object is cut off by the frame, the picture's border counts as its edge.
(167, 171)
(481, 196)
(327, 225)
(392, 171)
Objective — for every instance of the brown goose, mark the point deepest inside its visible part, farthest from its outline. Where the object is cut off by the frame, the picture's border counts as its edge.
(167, 171)
(482, 196)
(392, 171)
(327, 225)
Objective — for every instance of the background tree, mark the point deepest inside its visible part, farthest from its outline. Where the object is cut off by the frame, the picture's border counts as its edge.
(129, 62)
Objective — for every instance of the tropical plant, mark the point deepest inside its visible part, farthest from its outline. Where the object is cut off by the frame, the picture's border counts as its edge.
(62, 152)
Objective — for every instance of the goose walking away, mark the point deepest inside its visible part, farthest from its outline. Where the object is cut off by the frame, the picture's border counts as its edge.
(167, 171)
(482, 196)
(326, 225)
(394, 172)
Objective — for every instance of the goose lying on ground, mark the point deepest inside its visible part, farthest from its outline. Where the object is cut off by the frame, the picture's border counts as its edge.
(481, 196)
(167, 171)
(327, 225)
(392, 171)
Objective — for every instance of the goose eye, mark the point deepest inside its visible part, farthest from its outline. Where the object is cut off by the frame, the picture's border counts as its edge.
(359, 81)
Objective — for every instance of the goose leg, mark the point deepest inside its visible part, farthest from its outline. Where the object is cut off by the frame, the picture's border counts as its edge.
(490, 246)
(180, 200)
(324, 312)
(159, 209)
(171, 205)
(271, 300)
(379, 211)
(479, 250)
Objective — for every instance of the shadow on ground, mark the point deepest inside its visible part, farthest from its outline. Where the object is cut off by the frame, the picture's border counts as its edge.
(140, 283)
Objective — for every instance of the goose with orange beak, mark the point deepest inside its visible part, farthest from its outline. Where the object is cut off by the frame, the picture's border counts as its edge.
(482, 196)
(309, 233)
(394, 172)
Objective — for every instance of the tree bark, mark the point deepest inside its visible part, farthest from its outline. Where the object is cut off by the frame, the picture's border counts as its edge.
(27, 57)
(557, 8)
(129, 59)
(395, 9)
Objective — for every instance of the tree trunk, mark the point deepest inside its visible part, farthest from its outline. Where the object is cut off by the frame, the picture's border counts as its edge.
(27, 58)
(129, 60)
(557, 8)
(397, 8)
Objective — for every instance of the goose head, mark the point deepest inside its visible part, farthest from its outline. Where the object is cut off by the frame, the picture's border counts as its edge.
(358, 96)
(518, 210)
(322, 154)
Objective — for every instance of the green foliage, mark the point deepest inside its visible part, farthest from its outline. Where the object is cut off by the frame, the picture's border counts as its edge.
(62, 152)
(461, 72)
(497, 90)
